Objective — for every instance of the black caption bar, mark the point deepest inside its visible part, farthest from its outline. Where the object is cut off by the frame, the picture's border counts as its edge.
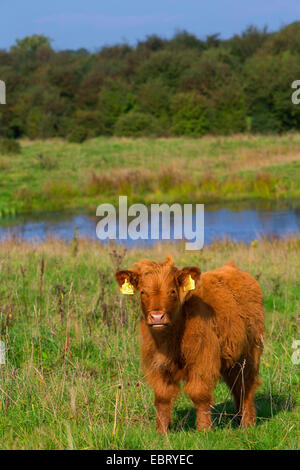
(140, 459)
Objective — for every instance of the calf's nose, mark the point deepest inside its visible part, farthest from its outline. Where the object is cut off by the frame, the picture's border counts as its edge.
(157, 316)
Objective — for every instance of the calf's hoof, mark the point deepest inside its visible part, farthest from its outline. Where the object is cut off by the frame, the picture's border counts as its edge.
(247, 420)
(161, 427)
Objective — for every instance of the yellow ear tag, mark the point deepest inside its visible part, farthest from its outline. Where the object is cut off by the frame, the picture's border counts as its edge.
(190, 285)
(127, 288)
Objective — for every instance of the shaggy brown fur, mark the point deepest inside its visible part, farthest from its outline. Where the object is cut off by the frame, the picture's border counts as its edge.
(197, 336)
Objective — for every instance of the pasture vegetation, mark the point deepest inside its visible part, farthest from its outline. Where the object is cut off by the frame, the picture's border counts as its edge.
(72, 378)
(54, 174)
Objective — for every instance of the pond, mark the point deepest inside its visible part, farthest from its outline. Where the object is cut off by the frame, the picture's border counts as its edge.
(244, 222)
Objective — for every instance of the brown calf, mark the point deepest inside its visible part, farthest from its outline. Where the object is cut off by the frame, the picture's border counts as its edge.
(195, 328)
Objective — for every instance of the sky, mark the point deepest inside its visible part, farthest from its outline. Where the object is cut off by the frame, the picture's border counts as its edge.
(72, 24)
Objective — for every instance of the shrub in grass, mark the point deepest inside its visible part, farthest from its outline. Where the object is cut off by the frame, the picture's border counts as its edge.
(24, 194)
(136, 124)
(10, 146)
(65, 126)
(77, 135)
(232, 185)
(125, 181)
(46, 162)
(60, 190)
(263, 185)
(209, 184)
(91, 121)
(170, 177)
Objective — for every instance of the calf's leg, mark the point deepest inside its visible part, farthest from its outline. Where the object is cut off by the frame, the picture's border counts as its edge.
(165, 394)
(242, 379)
(201, 395)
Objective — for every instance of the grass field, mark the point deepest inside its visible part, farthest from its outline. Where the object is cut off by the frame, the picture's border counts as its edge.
(55, 174)
(73, 379)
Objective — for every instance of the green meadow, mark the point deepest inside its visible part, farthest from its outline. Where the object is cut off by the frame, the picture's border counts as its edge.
(72, 379)
(56, 175)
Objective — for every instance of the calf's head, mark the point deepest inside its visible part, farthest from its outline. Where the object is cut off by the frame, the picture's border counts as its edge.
(163, 289)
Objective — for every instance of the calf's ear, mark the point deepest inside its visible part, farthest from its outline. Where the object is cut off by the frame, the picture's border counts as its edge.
(188, 277)
(128, 281)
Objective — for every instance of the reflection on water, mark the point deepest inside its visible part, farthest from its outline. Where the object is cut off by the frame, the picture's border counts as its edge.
(244, 225)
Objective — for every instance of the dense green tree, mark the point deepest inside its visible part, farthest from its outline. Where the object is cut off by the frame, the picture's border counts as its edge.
(115, 99)
(31, 43)
(166, 64)
(268, 90)
(185, 85)
(286, 39)
(154, 97)
(152, 43)
(190, 114)
(248, 43)
(185, 40)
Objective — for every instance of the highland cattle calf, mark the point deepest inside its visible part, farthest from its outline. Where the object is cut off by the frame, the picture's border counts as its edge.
(197, 328)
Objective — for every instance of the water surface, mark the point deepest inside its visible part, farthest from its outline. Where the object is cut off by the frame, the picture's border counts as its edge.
(239, 224)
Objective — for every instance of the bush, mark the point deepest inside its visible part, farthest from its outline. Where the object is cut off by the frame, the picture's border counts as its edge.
(115, 99)
(264, 121)
(168, 65)
(46, 162)
(78, 135)
(136, 124)
(91, 121)
(84, 124)
(10, 146)
(228, 113)
(189, 115)
(40, 124)
(65, 125)
(154, 98)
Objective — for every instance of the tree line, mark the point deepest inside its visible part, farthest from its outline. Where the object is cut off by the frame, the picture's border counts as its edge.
(183, 86)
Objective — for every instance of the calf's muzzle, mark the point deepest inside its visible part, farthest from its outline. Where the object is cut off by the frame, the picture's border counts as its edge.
(157, 318)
